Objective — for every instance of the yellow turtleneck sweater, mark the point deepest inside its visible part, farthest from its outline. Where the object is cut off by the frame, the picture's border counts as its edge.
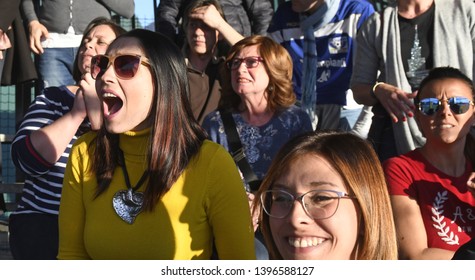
(208, 202)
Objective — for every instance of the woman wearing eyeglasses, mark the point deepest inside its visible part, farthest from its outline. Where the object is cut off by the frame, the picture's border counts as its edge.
(41, 147)
(258, 106)
(257, 91)
(325, 198)
(432, 205)
(148, 185)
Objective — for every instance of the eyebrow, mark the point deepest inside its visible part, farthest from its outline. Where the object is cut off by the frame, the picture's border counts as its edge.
(312, 184)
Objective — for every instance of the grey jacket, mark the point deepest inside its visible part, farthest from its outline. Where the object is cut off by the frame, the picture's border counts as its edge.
(58, 15)
(378, 51)
(246, 16)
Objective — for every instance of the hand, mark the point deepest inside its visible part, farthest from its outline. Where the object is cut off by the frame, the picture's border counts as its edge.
(209, 15)
(93, 104)
(471, 184)
(79, 106)
(397, 102)
(254, 214)
(37, 32)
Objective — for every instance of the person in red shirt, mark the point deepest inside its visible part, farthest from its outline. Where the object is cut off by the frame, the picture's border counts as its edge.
(433, 208)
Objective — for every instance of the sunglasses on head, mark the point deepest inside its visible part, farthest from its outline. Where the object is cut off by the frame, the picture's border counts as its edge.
(125, 65)
(458, 105)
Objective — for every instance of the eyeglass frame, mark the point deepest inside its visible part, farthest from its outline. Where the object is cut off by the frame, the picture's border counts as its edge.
(230, 63)
(111, 62)
(300, 199)
(439, 104)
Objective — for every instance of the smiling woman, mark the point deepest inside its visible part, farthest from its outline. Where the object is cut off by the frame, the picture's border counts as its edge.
(325, 198)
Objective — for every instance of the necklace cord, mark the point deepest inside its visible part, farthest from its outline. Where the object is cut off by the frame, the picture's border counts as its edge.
(126, 174)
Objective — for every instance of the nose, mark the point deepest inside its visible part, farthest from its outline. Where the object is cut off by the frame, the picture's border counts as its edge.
(242, 67)
(297, 214)
(109, 73)
(444, 107)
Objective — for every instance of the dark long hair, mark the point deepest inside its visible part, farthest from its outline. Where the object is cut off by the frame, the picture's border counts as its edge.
(118, 30)
(175, 136)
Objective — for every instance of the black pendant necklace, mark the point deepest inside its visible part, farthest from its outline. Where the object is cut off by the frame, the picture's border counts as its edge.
(128, 203)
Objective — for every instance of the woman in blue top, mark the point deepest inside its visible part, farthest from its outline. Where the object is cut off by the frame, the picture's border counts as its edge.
(257, 92)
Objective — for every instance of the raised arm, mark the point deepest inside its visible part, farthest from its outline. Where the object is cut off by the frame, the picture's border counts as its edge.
(210, 16)
(45, 132)
(366, 87)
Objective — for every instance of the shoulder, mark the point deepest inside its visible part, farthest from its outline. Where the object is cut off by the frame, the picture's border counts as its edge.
(403, 162)
(357, 6)
(294, 111)
(212, 155)
(83, 143)
(212, 119)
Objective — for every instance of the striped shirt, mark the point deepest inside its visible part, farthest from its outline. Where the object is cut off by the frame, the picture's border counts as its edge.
(43, 180)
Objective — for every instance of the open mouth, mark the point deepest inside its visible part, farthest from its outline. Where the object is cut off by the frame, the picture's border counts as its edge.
(112, 104)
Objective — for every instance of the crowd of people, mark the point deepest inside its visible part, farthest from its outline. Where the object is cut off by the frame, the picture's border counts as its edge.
(322, 131)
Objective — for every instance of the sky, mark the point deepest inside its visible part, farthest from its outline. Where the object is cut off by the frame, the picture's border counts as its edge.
(144, 10)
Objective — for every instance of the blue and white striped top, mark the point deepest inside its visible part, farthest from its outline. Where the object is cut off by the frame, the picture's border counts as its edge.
(43, 181)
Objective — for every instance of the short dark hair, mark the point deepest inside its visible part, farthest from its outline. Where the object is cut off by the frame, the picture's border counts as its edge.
(445, 72)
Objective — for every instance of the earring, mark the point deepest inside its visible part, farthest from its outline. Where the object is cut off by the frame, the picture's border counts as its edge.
(270, 89)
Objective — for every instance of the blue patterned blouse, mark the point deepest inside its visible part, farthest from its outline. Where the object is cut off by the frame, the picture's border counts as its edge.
(260, 143)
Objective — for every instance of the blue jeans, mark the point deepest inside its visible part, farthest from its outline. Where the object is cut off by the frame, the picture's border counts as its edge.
(55, 66)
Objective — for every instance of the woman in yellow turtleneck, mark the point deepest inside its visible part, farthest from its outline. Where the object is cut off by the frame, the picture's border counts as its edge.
(148, 185)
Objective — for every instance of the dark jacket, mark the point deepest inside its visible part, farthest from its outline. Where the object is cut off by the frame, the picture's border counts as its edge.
(205, 89)
(246, 16)
(19, 65)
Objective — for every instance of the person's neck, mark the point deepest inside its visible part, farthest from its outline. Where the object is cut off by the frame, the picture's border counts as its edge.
(199, 61)
(450, 159)
(412, 8)
(255, 111)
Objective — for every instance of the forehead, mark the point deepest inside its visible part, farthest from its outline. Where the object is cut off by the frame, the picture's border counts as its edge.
(127, 45)
(448, 87)
(308, 171)
(249, 51)
(102, 29)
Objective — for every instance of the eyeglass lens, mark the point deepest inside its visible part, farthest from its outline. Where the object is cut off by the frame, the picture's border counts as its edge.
(125, 66)
(458, 105)
(317, 204)
(250, 62)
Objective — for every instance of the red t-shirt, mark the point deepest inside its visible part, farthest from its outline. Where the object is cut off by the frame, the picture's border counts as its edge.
(447, 208)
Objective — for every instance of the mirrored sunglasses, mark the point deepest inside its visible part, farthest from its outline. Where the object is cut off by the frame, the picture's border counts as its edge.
(458, 105)
(125, 65)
